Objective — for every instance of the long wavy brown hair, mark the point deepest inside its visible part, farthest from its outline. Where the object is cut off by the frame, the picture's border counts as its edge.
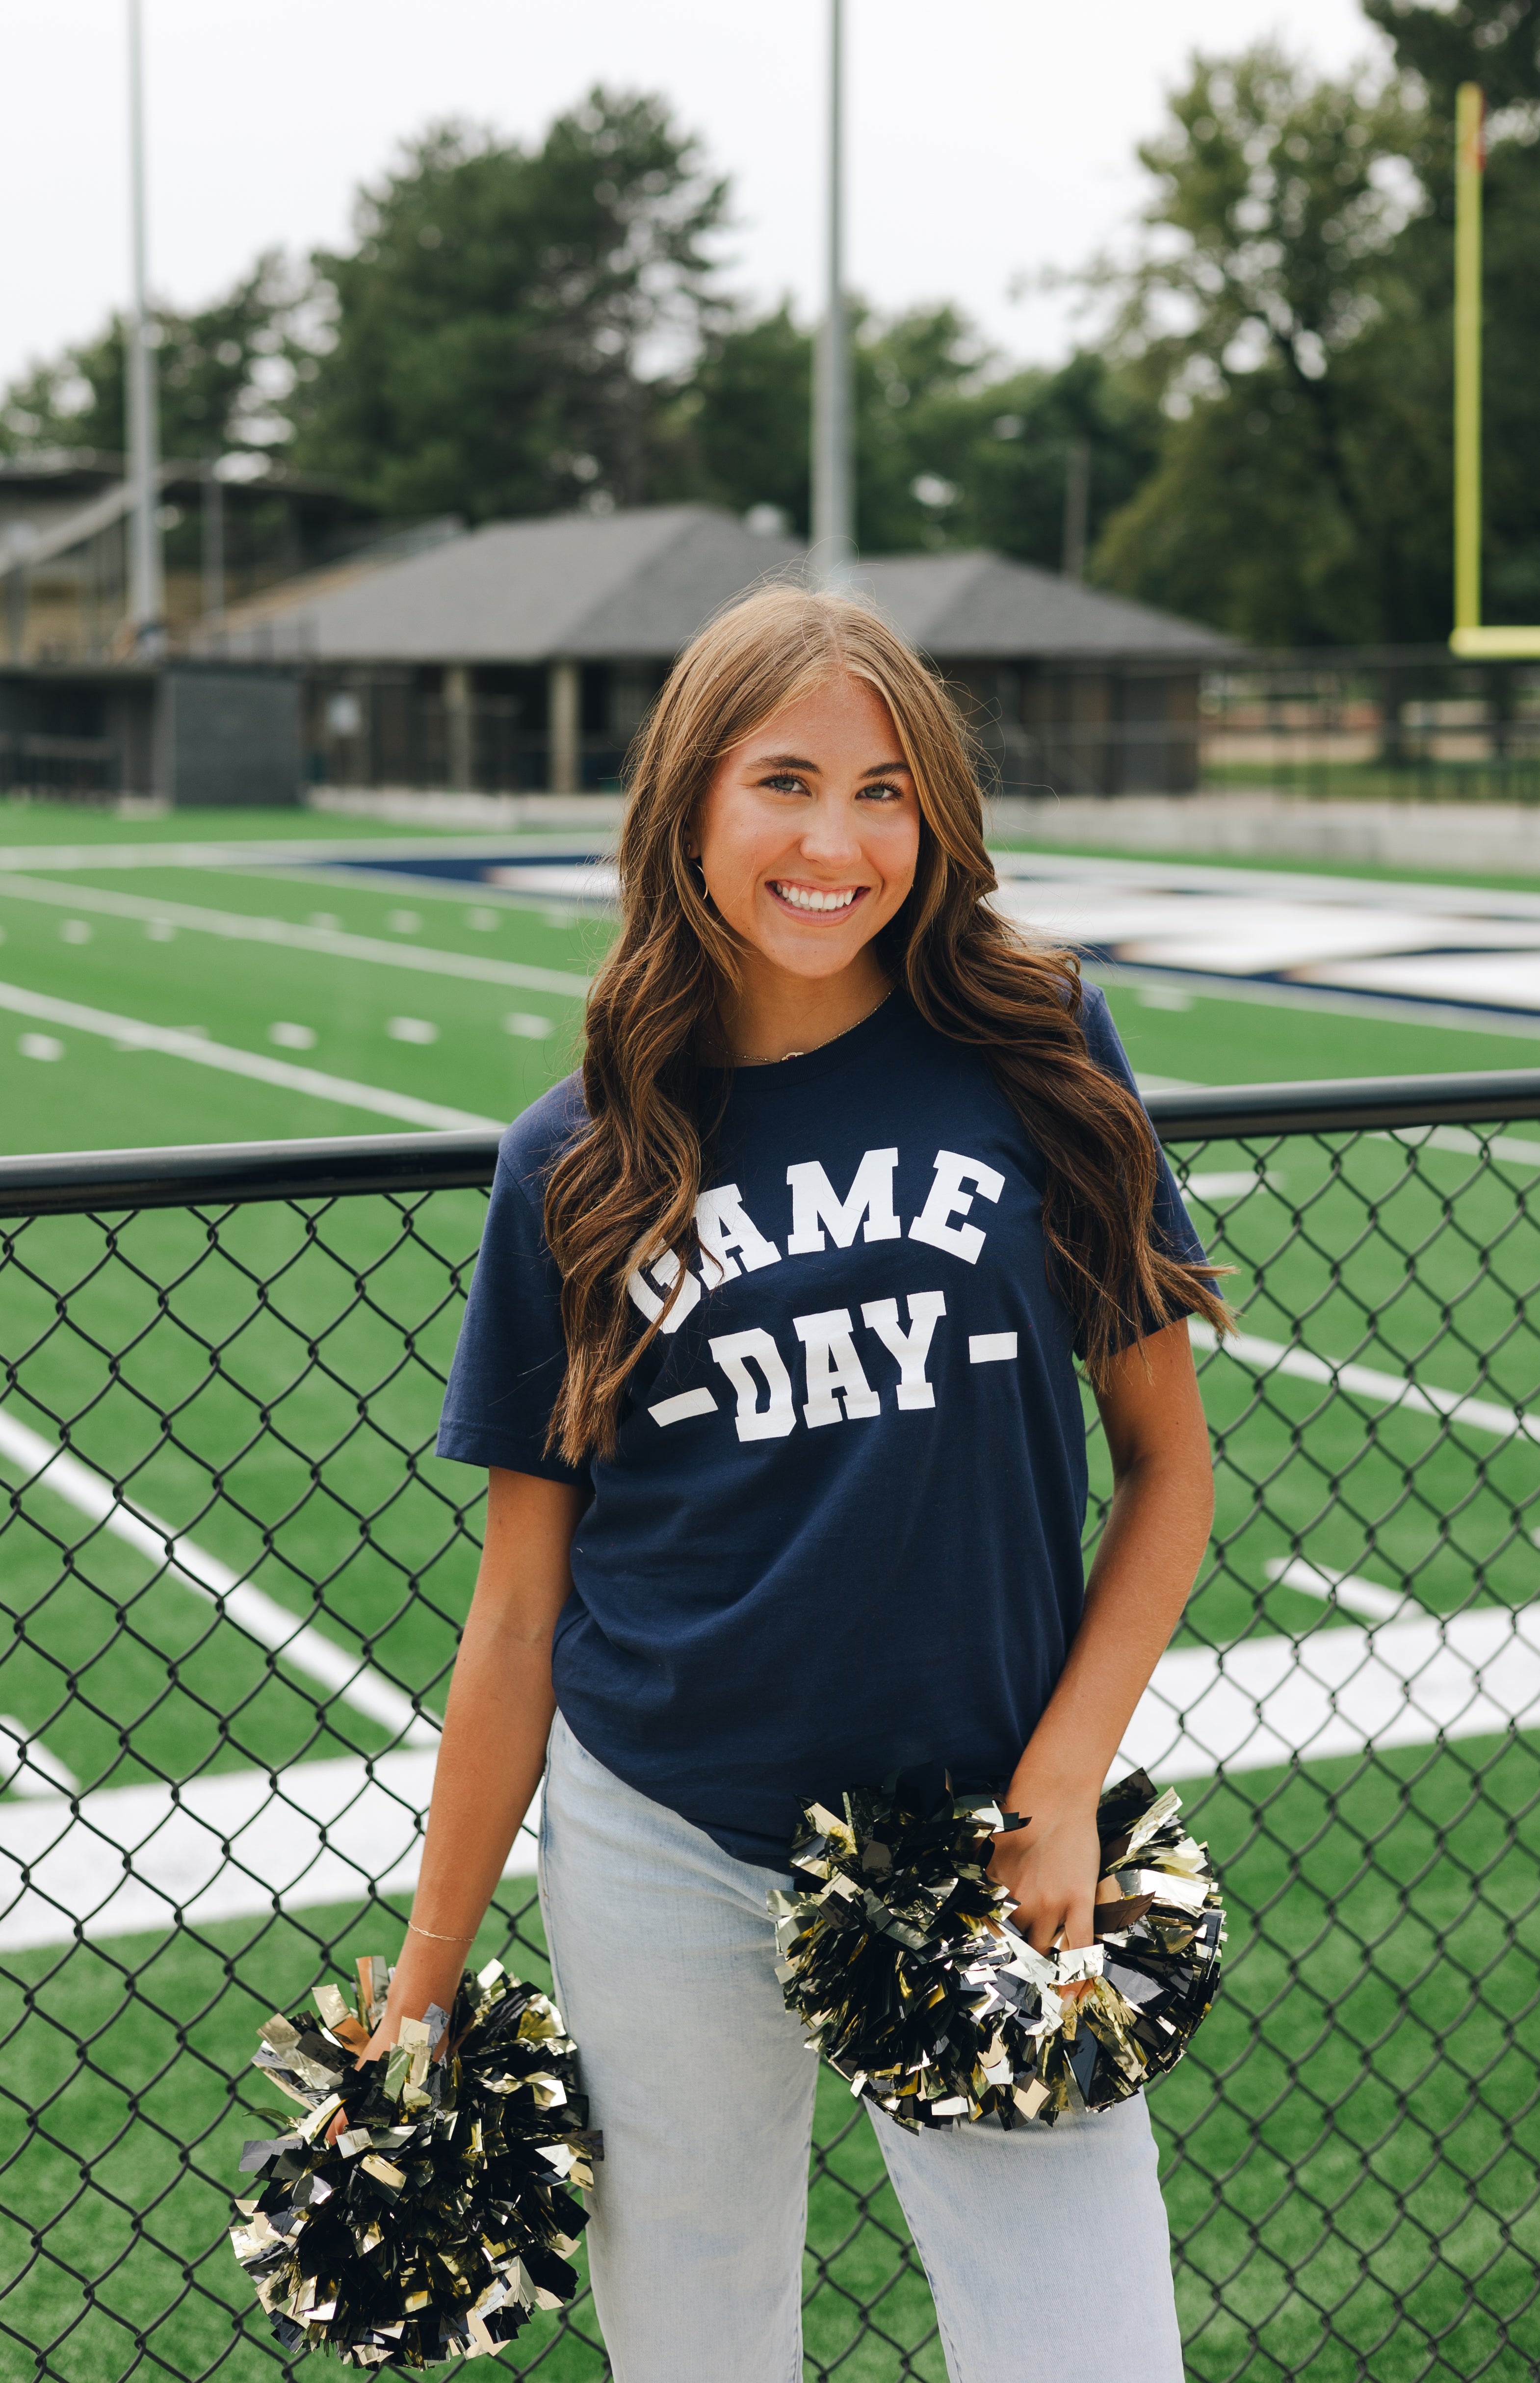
(624, 1192)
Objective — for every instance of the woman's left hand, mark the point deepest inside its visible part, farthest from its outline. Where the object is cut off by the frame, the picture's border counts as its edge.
(1051, 1869)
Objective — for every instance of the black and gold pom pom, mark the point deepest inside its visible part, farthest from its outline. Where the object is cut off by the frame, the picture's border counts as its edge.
(441, 2219)
(897, 1955)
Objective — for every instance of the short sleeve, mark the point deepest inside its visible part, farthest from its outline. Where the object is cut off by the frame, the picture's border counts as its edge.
(1172, 1226)
(512, 1354)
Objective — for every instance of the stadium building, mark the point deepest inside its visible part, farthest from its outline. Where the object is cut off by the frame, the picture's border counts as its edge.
(523, 655)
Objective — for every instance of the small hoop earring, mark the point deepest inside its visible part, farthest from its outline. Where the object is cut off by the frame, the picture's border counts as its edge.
(699, 869)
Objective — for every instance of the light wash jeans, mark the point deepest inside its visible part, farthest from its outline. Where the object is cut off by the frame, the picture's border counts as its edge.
(1046, 2248)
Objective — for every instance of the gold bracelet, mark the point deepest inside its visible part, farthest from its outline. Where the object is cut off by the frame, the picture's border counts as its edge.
(437, 1939)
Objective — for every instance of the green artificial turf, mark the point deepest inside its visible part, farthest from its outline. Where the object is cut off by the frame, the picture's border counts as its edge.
(28, 822)
(1349, 2152)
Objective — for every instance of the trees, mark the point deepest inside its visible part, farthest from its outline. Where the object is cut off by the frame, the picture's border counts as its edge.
(222, 370)
(523, 329)
(1262, 314)
(1291, 314)
(953, 448)
(490, 332)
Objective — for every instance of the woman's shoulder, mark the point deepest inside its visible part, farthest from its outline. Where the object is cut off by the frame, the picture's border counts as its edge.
(1103, 1040)
(539, 1134)
(1096, 1021)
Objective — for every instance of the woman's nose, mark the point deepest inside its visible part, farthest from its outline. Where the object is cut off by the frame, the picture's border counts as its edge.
(833, 835)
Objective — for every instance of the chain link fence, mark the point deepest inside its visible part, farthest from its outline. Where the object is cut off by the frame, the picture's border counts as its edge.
(234, 1575)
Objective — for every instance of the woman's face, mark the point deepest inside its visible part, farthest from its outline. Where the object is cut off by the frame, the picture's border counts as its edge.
(808, 833)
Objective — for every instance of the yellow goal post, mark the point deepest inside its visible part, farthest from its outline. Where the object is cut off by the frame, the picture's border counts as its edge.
(1470, 639)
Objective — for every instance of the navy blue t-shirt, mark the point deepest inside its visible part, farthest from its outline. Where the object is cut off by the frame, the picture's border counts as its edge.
(840, 1532)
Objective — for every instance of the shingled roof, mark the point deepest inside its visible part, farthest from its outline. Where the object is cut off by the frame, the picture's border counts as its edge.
(637, 586)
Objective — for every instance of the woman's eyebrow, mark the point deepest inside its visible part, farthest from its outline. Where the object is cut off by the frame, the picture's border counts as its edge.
(795, 762)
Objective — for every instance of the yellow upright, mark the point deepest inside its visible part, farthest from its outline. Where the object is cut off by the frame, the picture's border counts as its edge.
(1470, 639)
(1469, 125)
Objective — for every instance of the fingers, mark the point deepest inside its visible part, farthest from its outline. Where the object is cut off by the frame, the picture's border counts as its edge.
(338, 2127)
(1080, 1922)
(1056, 1927)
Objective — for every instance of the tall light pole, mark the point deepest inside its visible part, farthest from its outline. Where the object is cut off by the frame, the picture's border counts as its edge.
(833, 460)
(146, 581)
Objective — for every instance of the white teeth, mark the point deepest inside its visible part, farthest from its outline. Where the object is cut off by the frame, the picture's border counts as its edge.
(806, 897)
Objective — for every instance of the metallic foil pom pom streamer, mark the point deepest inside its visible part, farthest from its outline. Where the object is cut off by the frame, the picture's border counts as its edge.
(897, 1955)
(440, 2220)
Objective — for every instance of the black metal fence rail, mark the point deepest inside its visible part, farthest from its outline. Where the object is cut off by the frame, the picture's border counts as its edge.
(233, 1573)
(72, 1182)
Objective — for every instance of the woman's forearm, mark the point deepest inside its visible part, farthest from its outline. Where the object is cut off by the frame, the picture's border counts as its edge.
(1156, 1531)
(490, 1761)
(496, 1726)
(1150, 1549)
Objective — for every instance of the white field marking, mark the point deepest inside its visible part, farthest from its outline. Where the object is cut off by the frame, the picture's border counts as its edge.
(1284, 885)
(255, 853)
(1344, 1588)
(589, 881)
(240, 1842)
(335, 941)
(1277, 993)
(179, 1043)
(1323, 942)
(26, 1766)
(252, 1611)
(225, 1846)
(1509, 978)
(1364, 1381)
(990, 1348)
(290, 1037)
(1509, 1147)
(529, 1024)
(411, 1029)
(1277, 1700)
(1233, 1186)
(40, 1046)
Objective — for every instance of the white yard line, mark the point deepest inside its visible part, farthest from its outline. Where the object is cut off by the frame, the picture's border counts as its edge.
(235, 927)
(1511, 1148)
(230, 1845)
(243, 1843)
(1267, 1702)
(261, 1617)
(258, 852)
(1347, 1589)
(1365, 1381)
(175, 1043)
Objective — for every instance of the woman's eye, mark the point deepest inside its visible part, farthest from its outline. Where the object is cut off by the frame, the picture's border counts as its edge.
(883, 794)
(784, 785)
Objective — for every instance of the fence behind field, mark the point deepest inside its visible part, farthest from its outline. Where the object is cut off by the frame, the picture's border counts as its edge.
(234, 1575)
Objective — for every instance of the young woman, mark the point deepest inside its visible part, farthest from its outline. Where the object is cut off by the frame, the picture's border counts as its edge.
(771, 1355)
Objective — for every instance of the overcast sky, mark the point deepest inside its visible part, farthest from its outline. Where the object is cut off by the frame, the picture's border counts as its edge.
(987, 138)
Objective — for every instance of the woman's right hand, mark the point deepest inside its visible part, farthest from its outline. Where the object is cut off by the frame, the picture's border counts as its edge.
(423, 1977)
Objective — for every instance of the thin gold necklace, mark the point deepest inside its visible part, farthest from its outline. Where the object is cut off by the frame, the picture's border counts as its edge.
(753, 1058)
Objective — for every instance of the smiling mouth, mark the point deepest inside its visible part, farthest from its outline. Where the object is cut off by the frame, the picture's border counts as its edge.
(817, 901)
